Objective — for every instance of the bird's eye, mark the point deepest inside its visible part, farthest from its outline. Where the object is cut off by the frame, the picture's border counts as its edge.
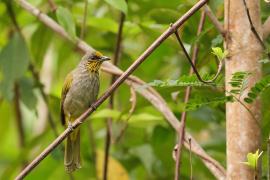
(95, 57)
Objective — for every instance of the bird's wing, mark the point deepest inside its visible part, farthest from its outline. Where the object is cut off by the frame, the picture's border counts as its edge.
(66, 87)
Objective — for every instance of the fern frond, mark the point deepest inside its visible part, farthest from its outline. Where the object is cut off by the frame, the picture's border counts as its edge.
(258, 88)
(239, 82)
(186, 80)
(203, 101)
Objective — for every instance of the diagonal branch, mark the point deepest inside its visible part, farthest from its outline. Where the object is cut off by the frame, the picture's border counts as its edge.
(150, 94)
(193, 65)
(214, 20)
(266, 28)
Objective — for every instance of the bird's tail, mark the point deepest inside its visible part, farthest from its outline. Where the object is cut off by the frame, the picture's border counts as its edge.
(72, 159)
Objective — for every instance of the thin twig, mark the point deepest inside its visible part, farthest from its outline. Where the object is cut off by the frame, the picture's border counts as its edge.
(12, 16)
(37, 80)
(93, 145)
(18, 112)
(149, 93)
(190, 159)
(31, 66)
(52, 5)
(133, 101)
(266, 28)
(44, 96)
(83, 27)
(214, 20)
(112, 88)
(181, 131)
(227, 28)
(243, 104)
(193, 65)
(268, 157)
(202, 156)
(19, 120)
(252, 26)
(107, 148)
(116, 58)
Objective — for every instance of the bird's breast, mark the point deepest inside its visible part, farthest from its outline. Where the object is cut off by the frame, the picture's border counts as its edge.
(82, 94)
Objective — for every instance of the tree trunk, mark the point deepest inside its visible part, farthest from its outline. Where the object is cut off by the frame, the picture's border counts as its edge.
(243, 133)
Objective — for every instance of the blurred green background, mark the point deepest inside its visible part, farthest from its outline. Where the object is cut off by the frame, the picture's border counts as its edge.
(145, 150)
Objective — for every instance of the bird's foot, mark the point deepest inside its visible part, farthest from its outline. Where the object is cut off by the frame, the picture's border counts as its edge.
(70, 126)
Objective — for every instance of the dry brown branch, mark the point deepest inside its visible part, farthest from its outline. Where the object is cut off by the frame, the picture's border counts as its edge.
(150, 94)
(19, 119)
(266, 28)
(214, 20)
(268, 157)
(133, 101)
(52, 5)
(181, 131)
(116, 59)
(83, 26)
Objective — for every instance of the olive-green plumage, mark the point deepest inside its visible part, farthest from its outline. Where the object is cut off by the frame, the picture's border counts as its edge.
(79, 91)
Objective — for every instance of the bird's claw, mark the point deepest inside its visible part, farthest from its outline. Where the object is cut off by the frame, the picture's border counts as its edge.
(70, 126)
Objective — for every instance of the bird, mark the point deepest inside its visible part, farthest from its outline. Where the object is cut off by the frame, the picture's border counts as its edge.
(80, 90)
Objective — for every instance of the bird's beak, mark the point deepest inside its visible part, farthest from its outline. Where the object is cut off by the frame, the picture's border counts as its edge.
(105, 58)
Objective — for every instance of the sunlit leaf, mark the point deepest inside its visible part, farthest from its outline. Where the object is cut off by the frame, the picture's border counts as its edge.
(264, 61)
(258, 88)
(217, 51)
(65, 19)
(14, 60)
(105, 113)
(119, 4)
(28, 96)
(252, 159)
(144, 117)
(104, 24)
(217, 41)
(42, 36)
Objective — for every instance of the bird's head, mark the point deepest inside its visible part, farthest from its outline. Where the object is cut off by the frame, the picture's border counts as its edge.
(93, 60)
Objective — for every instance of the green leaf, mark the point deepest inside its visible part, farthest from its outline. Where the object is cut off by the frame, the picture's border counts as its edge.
(198, 102)
(197, 39)
(28, 96)
(65, 19)
(259, 87)
(217, 40)
(144, 117)
(14, 60)
(217, 51)
(105, 113)
(238, 82)
(157, 14)
(252, 159)
(104, 24)
(186, 80)
(119, 4)
(146, 156)
(264, 61)
(248, 100)
(43, 37)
